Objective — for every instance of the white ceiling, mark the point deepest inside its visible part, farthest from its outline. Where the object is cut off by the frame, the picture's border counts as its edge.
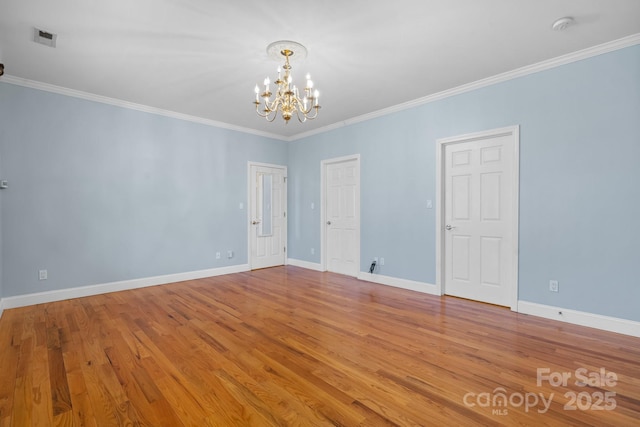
(203, 58)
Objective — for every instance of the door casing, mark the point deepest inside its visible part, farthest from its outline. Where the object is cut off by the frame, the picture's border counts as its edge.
(514, 132)
(251, 227)
(323, 212)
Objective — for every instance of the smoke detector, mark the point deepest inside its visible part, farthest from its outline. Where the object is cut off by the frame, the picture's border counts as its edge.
(562, 23)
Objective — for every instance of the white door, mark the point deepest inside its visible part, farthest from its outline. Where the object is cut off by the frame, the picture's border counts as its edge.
(479, 217)
(267, 209)
(342, 215)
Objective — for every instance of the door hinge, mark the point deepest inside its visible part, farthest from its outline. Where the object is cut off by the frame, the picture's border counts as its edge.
(285, 249)
(285, 214)
(284, 179)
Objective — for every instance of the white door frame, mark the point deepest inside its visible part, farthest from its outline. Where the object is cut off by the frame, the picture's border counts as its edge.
(514, 132)
(323, 207)
(249, 202)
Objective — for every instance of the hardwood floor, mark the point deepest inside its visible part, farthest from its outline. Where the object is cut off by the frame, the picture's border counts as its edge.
(288, 346)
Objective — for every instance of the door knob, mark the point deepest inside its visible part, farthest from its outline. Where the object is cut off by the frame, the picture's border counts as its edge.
(448, 227)
(328, 222)
(254, 222)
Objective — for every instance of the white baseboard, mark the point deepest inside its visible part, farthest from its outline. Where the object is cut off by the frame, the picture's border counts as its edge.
(304, 264)
(84, 291)
(607, 323)
(411, 285)
(612, 324)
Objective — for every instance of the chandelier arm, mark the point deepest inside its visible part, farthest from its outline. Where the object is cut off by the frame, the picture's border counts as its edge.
(298, 116)
(298, 106)
(259, 113)
(275, 114)
(308, 110)
(317, 107)
(273, 108)
(267, 110)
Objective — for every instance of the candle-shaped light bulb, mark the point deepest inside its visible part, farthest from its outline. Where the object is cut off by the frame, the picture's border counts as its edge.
(316, 95)
(257, 90)
(279, 73)
(304, 102)
(309, 84)
(267, 81)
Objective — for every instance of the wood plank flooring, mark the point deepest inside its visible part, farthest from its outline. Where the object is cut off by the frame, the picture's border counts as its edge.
(289, 346)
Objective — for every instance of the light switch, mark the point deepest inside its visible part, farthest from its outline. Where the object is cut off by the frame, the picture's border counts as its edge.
(429, 204)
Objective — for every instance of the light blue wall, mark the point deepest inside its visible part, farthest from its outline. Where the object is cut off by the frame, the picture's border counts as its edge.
(100, 193)
(579, 181)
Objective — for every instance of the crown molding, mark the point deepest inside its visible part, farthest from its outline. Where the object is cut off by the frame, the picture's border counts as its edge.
(579, 55)
(589, 52)
(32, 84)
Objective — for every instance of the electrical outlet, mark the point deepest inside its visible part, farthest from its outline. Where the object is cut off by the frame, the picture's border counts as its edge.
(553, 285)
(381, 261)
(313, 251)
(229, 254)
(217, 255)
(43, 275)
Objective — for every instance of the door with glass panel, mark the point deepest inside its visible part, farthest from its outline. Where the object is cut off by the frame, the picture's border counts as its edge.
(267, 211)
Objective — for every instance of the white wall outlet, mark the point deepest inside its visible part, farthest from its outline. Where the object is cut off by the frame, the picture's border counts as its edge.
(429, 204)
(381, 261)
(313, 251)
(553, 285)
(241, 206)
(43, 275)
(229, 254)
(217, 255)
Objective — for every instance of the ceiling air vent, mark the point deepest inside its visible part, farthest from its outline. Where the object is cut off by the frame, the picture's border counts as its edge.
(44, 37)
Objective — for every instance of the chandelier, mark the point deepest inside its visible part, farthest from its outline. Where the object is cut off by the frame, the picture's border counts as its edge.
(288, 100)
